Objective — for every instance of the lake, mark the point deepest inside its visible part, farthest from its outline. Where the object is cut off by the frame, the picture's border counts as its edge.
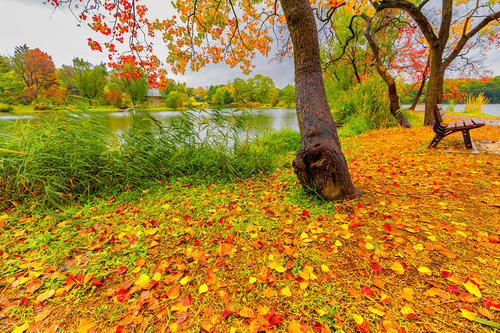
(489, 109)
(262, 120)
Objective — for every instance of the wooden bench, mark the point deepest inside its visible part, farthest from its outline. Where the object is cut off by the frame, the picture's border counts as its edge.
(443, 130)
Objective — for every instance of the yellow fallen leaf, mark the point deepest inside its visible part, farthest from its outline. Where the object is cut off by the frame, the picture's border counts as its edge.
(376, 311)
(303, 285)
(21, 329)
(358, 319)
(286, 292)
(468, 315)
(157, 276)
(407, 311)
(246, 312)
(142, 281)
(369, 246)
(338, 243)
(203, 288)
(473, 289)
(185, 280)
(397, 268)
(425, 270)
(418, 247)
(45, 295)
(304, 235)
(252, 280)
(432, 238)
(85, 325)
(280, 269)
(325, 268)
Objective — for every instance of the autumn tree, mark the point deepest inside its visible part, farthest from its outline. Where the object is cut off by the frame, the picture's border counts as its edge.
(131, 79)
(462, 23)
(35, 68)
(233, 31)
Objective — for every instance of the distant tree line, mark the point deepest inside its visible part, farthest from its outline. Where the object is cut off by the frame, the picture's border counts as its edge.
(456, 89)
(30, 77)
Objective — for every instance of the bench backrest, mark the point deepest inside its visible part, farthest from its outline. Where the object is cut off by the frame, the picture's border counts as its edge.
(439, 113)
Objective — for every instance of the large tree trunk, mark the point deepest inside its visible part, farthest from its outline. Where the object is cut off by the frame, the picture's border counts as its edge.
(435, 85)
(320, 164)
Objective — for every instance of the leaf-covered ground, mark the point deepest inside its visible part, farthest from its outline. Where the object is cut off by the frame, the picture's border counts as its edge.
(419, 252)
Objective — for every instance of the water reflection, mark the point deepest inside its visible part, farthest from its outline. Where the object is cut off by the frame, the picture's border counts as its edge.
(118, 122)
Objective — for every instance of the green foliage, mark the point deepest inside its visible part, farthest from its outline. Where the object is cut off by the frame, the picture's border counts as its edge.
(176, 99)
(135, 86)
(88, 79)
(362, 107)
(61, 160)
(287, 96)
(5, 107)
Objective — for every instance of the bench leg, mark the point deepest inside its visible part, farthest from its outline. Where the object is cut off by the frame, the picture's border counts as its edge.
(467, 140)
(435, 141)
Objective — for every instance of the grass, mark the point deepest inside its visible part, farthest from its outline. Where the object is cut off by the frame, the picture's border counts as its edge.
(61, 160)
(231, 235)
(474, 104)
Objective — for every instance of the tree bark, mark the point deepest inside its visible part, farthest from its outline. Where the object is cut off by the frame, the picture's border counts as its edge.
(434, 87)
(319, 164)
(419, 93)
(386, 76)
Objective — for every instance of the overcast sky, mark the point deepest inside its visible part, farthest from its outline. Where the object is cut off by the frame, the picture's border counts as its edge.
(57, 33)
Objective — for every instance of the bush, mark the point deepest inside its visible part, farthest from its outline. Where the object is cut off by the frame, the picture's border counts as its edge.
(361, 107)
(6, 107)
(61, 160)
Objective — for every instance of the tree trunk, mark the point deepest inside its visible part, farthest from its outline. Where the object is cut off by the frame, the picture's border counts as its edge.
(386, 76)
(419, 93)
(319, 164)
(435, 85)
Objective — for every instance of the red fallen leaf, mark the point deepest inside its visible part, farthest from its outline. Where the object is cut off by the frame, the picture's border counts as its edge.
(367, 291)
(276, 320)
(79, 277)
(387, 228)
(122, 269)
(258, 245)
(119, 329)
(122, 295)
(305, 213)
(226, 313)
(376, 267)
(96, 282)
(493, 239)
(446, 273)
(354, 224)
(229, 239)
(33, 286)
(39, 305)
(473, 282)
(196, 242)
(453, 288)
(22, 300)
(364, 327)
(489, 163)
(489, 303)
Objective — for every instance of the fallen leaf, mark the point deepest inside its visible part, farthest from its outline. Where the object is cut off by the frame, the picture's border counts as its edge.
(473, 289)
(203, 289)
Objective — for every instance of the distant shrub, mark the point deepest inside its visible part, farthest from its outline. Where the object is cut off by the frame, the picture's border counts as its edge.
(361, 107)
(5, 107)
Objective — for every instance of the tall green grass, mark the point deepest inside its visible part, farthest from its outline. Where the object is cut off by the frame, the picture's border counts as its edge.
(360, 107)
(63, 160)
